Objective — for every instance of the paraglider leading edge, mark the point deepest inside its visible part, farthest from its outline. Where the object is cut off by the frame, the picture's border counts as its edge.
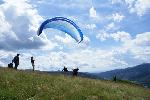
(61, 19)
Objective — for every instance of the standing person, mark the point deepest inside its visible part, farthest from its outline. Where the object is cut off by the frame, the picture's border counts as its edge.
(16, 61)
(32, 62)
(75, 72)
(115, 78)
(65, 69)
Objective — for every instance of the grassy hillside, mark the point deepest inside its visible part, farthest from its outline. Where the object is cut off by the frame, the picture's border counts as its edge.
(139, 74)
(21, 85)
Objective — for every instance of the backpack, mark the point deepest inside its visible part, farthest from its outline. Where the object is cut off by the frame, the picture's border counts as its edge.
(10, 65)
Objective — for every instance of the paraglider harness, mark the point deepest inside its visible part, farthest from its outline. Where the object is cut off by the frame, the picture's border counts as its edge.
(10, 65)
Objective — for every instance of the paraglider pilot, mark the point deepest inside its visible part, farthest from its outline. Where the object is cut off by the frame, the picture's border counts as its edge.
(115, 78)
(65, 69)
(75, 72)
(32, 62)
(16, 61)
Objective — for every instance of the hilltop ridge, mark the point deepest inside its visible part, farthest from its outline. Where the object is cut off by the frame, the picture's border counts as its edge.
(23, 85)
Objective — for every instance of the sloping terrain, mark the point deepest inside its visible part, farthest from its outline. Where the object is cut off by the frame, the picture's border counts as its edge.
(139, 73)
(23, 85)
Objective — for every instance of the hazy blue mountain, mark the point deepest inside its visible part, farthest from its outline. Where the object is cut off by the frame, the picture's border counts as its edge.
(139, 73)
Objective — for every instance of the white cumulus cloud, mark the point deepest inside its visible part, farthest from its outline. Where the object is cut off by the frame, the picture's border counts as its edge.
(121, 36)
(140, 7)
(118, 36)
(143, 39)
(19, 22)
(92, 12)
(102, 36)
(118, 17)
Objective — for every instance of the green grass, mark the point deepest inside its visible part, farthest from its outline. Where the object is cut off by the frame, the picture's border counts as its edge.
(21, 85)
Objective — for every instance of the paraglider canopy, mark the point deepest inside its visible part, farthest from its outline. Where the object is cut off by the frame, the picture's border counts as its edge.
(63, 24)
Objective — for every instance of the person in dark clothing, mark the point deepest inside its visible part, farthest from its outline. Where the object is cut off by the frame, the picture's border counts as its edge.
(115, 78)
(32, 62)
(65, 69)
(75, 72)
(16, 61)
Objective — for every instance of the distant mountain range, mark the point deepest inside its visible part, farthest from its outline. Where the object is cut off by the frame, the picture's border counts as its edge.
(139, 74)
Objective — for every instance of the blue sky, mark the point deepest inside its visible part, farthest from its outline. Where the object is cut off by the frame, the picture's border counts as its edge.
(116, 34)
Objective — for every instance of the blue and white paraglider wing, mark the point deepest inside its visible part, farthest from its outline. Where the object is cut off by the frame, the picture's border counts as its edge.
(64, 25)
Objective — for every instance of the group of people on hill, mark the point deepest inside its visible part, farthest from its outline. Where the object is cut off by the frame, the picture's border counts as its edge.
(74, 72)
(16, 62)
